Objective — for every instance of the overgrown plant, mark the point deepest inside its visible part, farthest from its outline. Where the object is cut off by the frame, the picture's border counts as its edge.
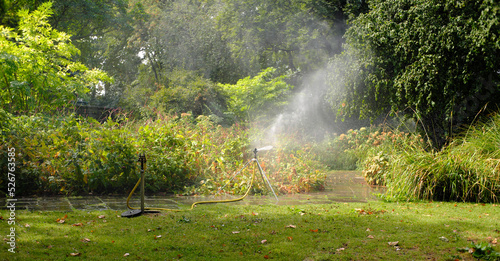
(71, 155)
(36, 67)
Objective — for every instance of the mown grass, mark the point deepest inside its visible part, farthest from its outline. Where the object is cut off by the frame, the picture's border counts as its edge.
(340, 231)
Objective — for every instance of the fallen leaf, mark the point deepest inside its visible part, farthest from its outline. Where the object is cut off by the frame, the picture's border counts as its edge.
(395, 243)
(444, 239)
(77, 225)
(290, 238)
(368, 229)
(158, 236)
(60, 221)
(236, 232)
(314, 231)
(85, 240)
(255, 214)
(27, 225)
(101, 216)
(340, 249)
(126, 254)
(74, 254)
(266, 257)
(291, 226)
(272, 232)
(263, 241)
(370, 236)
(494, 241)
(49, 246)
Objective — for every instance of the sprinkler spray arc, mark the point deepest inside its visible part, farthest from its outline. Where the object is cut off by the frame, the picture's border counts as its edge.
(133, 212)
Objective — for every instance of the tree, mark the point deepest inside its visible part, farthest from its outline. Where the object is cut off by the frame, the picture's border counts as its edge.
(283, 34)
(253, 97)
(435, 61)
(36, 67)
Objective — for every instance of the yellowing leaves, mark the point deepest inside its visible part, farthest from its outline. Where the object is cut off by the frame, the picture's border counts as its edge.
(62, 220)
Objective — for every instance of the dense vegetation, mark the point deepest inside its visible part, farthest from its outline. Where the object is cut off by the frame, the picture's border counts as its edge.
(202, 82)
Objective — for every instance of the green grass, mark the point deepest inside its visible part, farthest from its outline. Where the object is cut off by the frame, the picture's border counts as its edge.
(237, 232)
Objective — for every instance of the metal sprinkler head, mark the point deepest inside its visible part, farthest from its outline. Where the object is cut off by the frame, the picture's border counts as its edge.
(261, 149)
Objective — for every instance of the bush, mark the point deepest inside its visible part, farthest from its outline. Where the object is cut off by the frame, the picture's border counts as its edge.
(71, 155)
(466, 170)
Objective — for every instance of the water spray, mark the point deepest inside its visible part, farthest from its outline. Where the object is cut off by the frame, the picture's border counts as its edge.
(133, 212)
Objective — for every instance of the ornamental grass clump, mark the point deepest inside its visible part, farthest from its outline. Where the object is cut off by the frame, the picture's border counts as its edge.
(468, 169)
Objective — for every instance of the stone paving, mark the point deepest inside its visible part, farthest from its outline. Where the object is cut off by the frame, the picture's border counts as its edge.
(342, 186)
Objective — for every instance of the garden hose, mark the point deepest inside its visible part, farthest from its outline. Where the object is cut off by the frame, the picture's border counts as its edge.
(195, 203)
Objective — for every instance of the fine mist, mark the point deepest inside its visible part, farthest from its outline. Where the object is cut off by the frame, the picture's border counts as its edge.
(307, 114)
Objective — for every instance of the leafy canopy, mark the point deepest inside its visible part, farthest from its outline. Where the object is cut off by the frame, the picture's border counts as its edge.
(36, 67)
(254, 96)
(436, 61)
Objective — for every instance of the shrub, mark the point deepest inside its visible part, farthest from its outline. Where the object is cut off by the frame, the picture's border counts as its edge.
(72, 155)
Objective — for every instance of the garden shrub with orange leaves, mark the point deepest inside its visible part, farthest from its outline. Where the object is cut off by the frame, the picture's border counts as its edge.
(76, 156)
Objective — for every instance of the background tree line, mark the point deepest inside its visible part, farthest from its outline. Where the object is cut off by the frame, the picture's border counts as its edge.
(432, 61)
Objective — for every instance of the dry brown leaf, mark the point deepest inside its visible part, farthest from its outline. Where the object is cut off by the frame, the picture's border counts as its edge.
(27, 225)
(77, 225)
(236, 232)
(263, 241)
(101, 216)
(291, 226)
(74, 254)
(126, 254)
(340, 249)
(85, 240)
(370, 236)
(395, 243)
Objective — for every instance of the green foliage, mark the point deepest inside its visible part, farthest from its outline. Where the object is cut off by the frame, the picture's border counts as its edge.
(433, 60)
(465, 170)
(36, 67)
(253, 97)
(482, 251)
(188, 92)
(70, 155)
(281, 34)
(185, 91)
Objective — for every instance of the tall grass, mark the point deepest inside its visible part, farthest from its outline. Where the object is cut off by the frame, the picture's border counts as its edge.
(468, 169)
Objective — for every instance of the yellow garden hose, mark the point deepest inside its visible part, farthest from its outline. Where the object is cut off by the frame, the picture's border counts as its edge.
(195, 203)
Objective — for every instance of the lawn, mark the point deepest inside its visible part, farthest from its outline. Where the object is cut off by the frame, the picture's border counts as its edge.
(375, 230)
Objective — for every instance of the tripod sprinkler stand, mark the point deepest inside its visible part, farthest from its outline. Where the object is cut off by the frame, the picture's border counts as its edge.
(133, 212)
(262, 173)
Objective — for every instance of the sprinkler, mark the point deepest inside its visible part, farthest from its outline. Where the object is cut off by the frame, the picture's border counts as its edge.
(138, 212)
(262, 173)
(133, 212)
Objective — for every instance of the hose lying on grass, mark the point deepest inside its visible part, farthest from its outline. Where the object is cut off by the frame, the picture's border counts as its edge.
(195, 203)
